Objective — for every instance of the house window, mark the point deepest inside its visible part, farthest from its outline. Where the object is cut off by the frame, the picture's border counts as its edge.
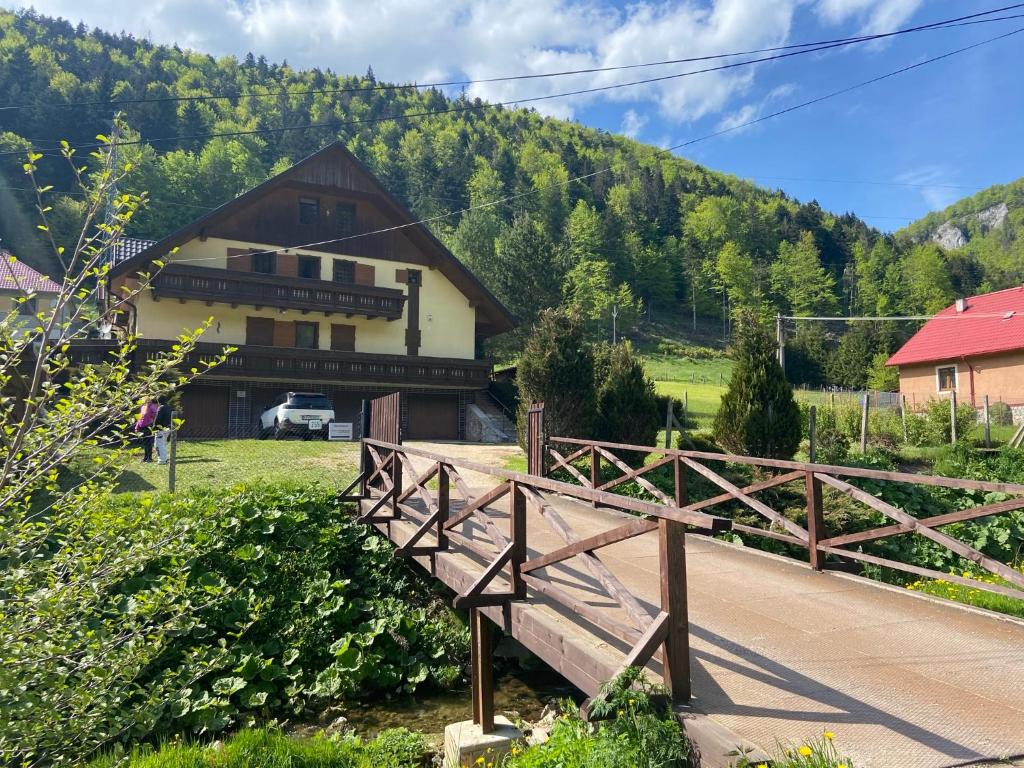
(946, 377)
(309, 210)
(345, 218)
(306, 335)
(309, 267)
(344, 271)
(264, 263)
(29, 306)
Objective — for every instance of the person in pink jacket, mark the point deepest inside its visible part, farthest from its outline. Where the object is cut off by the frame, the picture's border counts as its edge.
(144, 427)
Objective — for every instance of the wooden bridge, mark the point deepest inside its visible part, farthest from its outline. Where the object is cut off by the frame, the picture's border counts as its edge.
(754, 648)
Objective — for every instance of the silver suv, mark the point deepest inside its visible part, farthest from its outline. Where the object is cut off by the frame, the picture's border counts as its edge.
(305, 414)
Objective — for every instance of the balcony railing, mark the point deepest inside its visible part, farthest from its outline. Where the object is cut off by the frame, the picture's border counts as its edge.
(307, 364)
(178, 281)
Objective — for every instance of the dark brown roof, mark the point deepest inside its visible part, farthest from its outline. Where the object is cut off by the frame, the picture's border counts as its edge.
(497, 318)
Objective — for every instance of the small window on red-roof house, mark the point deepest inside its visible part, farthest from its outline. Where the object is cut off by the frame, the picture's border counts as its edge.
(946, 378)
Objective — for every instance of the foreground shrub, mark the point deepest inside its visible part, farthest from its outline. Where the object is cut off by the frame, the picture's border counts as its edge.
(818, 753)
(632, 726)
(291, 604)
(396, 748)
(627, 408)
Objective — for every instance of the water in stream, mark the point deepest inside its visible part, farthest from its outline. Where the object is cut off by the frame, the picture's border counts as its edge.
(524, 693)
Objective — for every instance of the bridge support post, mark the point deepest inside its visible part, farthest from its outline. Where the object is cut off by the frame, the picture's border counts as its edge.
(595, 470)
(443, 505)
(396, 479)
(483, 670)
(672, 557)
(815, 522)
(517, 510)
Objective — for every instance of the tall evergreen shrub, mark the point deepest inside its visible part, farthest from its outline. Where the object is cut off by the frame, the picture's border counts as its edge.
(557, 369)
(627, 407)
(758, 415)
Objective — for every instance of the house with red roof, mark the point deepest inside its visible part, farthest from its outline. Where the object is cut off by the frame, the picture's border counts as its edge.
(19, 281)
(974, 348)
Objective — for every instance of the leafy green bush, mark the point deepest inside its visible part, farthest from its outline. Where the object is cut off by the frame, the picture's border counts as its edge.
(632, 725)
(758, 415)
(319, 610)
(1000, 414)
(669, 348)
(259, 748)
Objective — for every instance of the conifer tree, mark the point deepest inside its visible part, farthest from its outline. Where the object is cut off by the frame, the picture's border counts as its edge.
(758, 415)
(627, 407)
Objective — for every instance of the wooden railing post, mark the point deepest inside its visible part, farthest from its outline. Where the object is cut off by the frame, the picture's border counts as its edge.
(682, 497)
(672, 557)
(595, 470)
(517, 511)
(443, 505)
(396, 479)
(815, 521)
(483, 670)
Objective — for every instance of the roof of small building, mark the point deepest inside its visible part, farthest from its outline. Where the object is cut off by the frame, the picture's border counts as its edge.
(17, 276)
(988, 324)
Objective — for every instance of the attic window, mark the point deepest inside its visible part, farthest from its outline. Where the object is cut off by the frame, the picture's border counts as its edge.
(345, 218)
(309, 210)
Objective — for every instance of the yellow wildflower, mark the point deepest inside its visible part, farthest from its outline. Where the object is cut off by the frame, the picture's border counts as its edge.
(805, 751)
(479, 761)
(829, 735)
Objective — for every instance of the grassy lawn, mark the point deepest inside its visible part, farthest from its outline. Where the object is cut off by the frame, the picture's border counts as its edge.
(703, 381)
(218, 463)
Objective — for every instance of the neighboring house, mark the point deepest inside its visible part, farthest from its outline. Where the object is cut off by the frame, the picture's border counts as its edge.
(19, 280)
(314, 303)
(974, 348)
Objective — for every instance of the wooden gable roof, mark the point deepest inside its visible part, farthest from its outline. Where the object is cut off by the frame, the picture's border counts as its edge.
(334, 171)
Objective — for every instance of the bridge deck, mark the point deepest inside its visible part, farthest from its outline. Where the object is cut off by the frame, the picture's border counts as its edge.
(781, 652)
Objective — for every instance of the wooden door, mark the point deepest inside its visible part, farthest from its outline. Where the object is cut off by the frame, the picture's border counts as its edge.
(205, 410)
(433, 417)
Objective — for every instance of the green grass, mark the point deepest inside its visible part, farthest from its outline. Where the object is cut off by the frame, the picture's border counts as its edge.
(702, 381)
(221, 463)
(979, 598)
(270, 749)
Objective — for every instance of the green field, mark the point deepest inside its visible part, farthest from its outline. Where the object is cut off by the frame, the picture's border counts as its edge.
(219, 463)
(702, 381)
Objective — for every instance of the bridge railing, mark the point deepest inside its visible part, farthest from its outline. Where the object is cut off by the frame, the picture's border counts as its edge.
(446, 502)
(582, 461)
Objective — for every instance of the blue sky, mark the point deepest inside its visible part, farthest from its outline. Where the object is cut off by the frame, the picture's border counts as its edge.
(923, 139)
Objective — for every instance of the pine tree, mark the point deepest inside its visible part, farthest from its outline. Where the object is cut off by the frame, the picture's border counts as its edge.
(758, 415)
(627, 407)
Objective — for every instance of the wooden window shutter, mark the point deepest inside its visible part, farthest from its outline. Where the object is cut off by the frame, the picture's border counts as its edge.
(259, 331)
(365, 274)
(287, 265)
(239, 260)
(284, 333)
(343, 337)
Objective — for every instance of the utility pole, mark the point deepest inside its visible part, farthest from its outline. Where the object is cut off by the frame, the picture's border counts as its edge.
(615, 327)
(780, 341)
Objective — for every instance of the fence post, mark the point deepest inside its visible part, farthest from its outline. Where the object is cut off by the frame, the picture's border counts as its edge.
(672, 559)
(864, 423)
(482, 661)
(517, 514)
(812, 434)
(172, 459)
(668, 423)
(903, 417)
(815, 521)
(832, 400)
(952, 418)
(682, 496)
(595, 471)
(396, 480)
(443, 505)
(686, 412)
(364, 454)
(988, 426)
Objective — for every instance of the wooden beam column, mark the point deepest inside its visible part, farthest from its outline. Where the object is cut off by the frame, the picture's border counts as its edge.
(396, 484)
(672, 557)
(595, 471)
(517, 509)
(443, 505)
(815, 522)
(483, 670)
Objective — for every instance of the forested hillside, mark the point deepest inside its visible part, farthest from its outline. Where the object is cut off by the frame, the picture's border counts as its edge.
(654, 233)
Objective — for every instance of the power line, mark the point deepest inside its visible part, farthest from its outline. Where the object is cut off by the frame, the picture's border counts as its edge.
(866, 318)
(474, 107)
(862, 181)
(970, 19)
(667, 150)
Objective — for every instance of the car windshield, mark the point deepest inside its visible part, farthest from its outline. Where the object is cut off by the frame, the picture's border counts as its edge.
(313, 402)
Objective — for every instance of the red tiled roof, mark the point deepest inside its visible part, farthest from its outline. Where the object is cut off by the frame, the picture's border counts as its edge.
(991, 323)
(17, 276)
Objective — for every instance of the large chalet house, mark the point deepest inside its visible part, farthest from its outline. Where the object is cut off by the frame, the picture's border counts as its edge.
(324, 283)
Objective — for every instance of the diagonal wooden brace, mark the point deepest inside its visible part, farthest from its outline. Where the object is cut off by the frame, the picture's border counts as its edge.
(403, 551)
(377, 506)
(475, 593)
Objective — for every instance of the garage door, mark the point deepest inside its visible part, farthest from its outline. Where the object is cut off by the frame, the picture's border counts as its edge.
(433, 417)
(205, 412)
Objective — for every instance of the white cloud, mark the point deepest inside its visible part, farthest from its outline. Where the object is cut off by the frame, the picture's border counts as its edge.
(874, 15)
(934, 182)
(633, 123)
(428, 40)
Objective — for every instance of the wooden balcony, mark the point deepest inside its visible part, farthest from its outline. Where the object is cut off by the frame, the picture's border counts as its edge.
(291, 364)
(180, 281)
